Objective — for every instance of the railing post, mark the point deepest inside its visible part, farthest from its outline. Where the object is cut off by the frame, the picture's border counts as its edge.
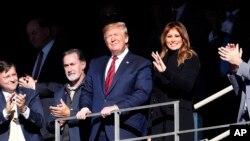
(57, 130)
(117, 126)
(176, 121)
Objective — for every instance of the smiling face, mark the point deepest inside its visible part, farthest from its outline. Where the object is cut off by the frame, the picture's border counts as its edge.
(9, 80)
(116, 38)
(173, 39)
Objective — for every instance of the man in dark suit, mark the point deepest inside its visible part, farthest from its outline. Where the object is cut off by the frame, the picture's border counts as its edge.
(48, 68)
(66, 97)
(42, 37)
(129, 86)
(21, 116)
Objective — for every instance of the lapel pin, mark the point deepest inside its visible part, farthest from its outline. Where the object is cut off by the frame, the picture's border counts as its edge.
(127, 62)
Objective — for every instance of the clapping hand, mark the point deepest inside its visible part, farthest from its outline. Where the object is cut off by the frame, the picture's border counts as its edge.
(60, 110)
(10, 103)
(231, 53)
(20, 102)
(158, 63)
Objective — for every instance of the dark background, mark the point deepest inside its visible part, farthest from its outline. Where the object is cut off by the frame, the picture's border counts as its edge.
(81, 28)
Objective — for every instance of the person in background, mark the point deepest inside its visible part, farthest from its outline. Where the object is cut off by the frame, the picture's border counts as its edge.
(239, 77)
(176, 71)
(21, 116)
(121, 80)
(42, 37)
(47, 64)
(66, 97)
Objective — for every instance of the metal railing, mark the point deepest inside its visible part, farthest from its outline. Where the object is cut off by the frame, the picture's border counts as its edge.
(176, 131)
(210, 99)
(213, 97)
(117, 121)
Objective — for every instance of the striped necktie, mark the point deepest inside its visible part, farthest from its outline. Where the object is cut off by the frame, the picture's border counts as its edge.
(110, 75)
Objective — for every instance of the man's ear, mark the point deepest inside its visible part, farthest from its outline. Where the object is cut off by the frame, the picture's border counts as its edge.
(83, 65)
(126, 40)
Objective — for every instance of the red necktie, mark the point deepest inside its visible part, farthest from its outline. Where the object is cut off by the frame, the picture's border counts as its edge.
(38, 65)
(110, 75)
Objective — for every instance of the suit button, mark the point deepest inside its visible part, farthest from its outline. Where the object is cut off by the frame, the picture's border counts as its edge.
(105, 100)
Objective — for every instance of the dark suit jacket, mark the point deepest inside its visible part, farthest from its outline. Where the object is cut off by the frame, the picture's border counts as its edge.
(131, 87)
(78, 130)
(52, 71)
(31, 126)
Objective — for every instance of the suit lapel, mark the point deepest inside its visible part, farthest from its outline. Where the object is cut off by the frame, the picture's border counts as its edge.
(102, 69)
(2, 100)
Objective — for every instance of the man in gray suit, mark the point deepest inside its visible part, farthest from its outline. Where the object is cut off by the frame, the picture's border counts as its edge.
(239, 77)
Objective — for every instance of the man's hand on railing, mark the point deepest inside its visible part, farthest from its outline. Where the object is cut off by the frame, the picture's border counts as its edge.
(106, 111)
(83, 113)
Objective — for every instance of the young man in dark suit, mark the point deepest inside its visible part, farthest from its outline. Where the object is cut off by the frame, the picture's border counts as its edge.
(21, 116)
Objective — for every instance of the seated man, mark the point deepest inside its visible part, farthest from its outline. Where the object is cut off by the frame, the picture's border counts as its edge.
(21, 116)
(66, 97)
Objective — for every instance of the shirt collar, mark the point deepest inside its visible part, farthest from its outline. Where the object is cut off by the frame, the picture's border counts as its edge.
(47, 48)
(121, 56)
(6, 94)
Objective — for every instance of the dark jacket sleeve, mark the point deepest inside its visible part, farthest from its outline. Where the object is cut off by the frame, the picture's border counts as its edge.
(184, 79)
(48, 89)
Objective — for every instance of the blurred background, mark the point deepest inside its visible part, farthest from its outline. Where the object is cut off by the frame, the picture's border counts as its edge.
(79, 24)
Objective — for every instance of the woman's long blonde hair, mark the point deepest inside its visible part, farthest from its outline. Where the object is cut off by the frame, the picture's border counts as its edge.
(185, 52)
